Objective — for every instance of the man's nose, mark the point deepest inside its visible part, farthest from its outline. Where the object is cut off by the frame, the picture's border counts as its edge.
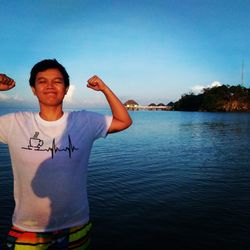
(50, 84)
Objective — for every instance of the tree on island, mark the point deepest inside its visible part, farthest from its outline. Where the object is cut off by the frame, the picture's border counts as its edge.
(219, 98)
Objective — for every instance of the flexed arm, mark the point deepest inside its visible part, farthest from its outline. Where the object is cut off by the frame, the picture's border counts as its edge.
(121, 118)
(6, 83)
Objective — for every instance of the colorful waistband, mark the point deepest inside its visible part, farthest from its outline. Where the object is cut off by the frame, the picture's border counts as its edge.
(72, 238)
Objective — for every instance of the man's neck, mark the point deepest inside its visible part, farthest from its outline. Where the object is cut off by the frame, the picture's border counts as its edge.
(51, 113)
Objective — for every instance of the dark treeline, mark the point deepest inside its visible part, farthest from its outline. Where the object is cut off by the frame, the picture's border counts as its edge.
(223, 98)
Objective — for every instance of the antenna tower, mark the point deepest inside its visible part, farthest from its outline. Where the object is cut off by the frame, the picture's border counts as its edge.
(242, 72)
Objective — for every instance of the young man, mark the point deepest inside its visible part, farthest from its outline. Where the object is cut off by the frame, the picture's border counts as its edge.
(49, 153)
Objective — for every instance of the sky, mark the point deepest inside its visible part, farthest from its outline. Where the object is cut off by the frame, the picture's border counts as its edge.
(145, 50)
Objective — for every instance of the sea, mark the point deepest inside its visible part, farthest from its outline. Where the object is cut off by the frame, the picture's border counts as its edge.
(173, 180)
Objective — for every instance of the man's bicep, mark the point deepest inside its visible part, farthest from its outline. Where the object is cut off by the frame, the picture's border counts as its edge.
(116, 126)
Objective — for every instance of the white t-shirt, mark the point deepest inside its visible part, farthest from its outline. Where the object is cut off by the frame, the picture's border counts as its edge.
(49, 161)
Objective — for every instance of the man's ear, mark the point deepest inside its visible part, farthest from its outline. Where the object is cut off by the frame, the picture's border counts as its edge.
(33, 90)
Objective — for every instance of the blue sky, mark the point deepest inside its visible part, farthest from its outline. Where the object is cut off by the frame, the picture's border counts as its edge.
(149, 51)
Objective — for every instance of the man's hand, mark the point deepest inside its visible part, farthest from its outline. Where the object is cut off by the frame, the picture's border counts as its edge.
(6, 82)
(96, 83)
(121, 119)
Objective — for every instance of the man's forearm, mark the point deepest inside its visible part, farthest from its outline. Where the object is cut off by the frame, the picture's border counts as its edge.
(121, 118)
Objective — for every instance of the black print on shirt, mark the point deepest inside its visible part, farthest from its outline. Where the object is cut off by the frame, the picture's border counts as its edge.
(35, 144)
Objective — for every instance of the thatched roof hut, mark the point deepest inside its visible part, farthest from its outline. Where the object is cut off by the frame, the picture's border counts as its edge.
(161, 104)
(152, 105)
(131, 105)
(171, 104)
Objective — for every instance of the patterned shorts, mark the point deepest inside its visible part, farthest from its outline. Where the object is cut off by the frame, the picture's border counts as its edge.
(77, 238)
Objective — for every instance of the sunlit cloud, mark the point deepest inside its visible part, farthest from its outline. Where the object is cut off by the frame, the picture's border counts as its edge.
(69, 98)
(198, 89)
(8, 98)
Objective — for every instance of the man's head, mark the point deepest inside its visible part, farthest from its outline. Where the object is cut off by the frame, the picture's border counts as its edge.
(49, 83)
(48, 64)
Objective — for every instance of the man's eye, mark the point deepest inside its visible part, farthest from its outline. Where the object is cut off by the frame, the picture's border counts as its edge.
(41, 81)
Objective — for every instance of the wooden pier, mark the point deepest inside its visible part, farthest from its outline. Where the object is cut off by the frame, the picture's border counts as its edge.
(150, 108)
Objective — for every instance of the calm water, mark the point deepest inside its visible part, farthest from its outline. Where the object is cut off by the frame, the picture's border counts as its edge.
(174, 180)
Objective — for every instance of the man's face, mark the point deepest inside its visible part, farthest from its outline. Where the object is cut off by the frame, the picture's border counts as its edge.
(49, 87)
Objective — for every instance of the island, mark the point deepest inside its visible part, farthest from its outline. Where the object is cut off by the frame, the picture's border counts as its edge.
(224, 98)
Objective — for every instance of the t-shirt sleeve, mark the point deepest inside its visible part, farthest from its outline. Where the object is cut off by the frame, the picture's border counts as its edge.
(99, 124)
(5, 127)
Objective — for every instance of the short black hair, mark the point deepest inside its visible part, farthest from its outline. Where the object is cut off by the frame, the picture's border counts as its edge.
(48, 64)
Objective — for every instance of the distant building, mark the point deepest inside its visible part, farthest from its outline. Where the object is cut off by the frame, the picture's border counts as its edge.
(170, 106)
(161, 106)
(131, 105)
(152, 105)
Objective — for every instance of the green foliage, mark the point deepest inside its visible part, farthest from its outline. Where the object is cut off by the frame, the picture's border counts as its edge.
(188, 102)
(222, 98)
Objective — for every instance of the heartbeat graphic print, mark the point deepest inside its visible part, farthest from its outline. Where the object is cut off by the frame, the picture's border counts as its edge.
(36, 144)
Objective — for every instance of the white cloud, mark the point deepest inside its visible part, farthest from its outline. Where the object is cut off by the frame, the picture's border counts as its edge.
(215, 84)
(4, 97)
(69, 97)
(198, 89)
(8, 98)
